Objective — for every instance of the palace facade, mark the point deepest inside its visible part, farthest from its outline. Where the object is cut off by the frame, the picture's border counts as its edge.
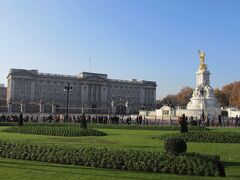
(3, 98)
(33, 92)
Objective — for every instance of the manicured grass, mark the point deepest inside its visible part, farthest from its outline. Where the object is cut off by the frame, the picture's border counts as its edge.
(130, 139)
(115, 139)
(19, 169)
(225, 129)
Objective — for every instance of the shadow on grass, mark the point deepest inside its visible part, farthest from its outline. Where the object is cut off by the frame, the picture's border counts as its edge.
(229, 164)
(145, 147)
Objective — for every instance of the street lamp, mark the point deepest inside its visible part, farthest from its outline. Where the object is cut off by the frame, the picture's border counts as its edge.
(67, 88)
(22, 109)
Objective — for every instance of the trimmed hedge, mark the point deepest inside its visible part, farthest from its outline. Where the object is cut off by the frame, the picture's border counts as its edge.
(54, 131)
(207, 137)
(8, 123)
(138, 160)
(175, 146)
(114, 126)
(146, 127)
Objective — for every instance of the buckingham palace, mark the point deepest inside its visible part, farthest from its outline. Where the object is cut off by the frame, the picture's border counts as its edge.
(30, 91)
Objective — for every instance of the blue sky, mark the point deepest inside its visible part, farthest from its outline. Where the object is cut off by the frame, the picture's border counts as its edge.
(145, 39)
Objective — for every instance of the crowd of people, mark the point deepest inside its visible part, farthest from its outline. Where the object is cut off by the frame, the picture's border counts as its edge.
(105, 119)
(98, 119)
(9, 118)
(203, 121)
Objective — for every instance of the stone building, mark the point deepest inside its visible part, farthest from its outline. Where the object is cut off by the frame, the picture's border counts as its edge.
(3, 98)
(34, 92)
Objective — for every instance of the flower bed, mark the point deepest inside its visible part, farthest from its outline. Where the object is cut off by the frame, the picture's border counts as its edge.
(113, 126)
(207, 137)
(8, 123)
(138, 160)
(54, 131)
(146, 127)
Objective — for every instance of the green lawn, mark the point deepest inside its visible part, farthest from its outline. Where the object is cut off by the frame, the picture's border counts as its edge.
(134, 139)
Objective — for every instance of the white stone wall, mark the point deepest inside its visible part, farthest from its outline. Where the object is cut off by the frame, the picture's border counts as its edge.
(198, 113)
(160, 112)
(233, 112)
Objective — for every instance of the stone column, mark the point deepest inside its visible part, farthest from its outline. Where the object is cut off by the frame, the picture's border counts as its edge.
(32, 90)
(84, 93)
(12, 87)
(142, 95)
(104, 91)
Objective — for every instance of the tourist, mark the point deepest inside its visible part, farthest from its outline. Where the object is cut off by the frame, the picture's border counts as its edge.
(202, 120)
(128, 120)
(220, 120)
(83, 121)
(137, 120)
(236, 121)
(183, 124)
(191, 119)
(44, 119)
(140, 120)
(31, 118)
(20, 120)
(207, 120)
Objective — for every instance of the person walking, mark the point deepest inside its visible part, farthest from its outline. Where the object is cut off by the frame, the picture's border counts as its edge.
(202, 120)
(20, 120)
(83, 122)
(236, 121)
(220, 120)
(183, 124)
(207, 120)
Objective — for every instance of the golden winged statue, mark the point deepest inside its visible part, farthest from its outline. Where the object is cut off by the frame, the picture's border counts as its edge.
(202, 66)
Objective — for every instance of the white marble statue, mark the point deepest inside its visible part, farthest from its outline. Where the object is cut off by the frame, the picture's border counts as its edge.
(203, 98)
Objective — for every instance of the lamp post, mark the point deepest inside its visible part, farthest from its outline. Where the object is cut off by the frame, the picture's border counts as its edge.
(22, 106)
(67, 88)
